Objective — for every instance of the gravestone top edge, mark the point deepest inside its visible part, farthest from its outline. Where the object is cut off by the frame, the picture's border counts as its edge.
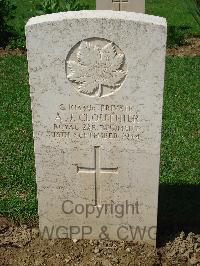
(98, 14)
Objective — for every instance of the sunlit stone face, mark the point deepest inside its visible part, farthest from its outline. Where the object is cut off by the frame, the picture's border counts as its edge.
(96, 82)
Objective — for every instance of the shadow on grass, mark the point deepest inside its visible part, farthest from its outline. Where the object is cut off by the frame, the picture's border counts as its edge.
(178, 210)
(177, 35)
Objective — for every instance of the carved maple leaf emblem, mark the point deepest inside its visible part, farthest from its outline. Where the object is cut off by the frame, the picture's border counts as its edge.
(96, 67)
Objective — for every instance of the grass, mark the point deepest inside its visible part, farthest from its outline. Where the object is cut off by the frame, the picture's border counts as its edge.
(17, 174)
(174, 10)
(180, 157)
(176, 13)
(180, 177)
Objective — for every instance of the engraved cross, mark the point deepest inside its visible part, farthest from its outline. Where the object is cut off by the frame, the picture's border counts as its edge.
(119, 3)
(97, 171)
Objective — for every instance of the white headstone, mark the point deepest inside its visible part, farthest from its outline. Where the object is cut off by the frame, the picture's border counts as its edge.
(96, 81)
(121, 5)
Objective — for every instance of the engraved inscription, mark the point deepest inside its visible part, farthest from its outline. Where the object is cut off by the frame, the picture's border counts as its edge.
(97, 121)
(119, 3)
(96, 67)
(97, 171)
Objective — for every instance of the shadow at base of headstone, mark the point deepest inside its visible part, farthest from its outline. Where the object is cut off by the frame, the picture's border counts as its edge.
(178, 210)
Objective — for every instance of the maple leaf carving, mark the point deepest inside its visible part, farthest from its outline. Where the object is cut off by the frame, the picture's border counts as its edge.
(96, 67)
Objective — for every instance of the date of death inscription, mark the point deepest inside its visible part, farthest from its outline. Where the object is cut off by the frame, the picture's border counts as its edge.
(96, 121)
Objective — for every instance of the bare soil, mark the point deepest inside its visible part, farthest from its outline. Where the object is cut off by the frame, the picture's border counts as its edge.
(21, 246)
(12, 51)
(191, 49)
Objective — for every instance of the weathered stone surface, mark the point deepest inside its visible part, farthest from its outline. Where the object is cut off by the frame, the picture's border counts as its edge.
(121, 5)
(96, 81)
